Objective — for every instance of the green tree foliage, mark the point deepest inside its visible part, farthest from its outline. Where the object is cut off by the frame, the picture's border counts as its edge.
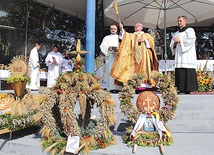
(26, 19)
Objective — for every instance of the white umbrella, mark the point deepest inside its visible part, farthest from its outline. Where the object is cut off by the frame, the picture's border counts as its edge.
(161, 13)
(151, 12)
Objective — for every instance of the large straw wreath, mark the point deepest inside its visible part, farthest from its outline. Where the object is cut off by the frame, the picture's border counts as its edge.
(57, 112)
(59, 119)
(165, 83)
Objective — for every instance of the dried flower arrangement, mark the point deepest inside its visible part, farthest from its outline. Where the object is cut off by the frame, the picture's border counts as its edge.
(14, 122)
(57, 112)
(19, 114)
(59, 120)
(167, 111)
(18, 69)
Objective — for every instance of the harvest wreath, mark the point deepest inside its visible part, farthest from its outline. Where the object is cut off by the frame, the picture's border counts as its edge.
(169, 95)
(59, 120)
(57, 112)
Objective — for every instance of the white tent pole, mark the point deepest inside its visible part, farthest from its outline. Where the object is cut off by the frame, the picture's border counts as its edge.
(26, 32)
(165, 48)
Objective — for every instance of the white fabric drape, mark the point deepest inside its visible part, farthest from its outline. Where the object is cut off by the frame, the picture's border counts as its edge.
(141, 120)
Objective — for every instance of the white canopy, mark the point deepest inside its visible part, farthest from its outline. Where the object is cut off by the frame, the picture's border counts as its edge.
(72, 7)
(78, 8)
(152, 12)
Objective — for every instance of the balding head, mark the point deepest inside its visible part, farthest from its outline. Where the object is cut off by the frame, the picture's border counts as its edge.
(138, 27)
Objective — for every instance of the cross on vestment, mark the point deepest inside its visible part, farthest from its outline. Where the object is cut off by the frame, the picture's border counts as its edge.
(138, 51)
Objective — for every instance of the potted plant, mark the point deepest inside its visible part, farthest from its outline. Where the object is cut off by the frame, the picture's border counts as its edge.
(18, 83)
(19, 75)
(17, 78)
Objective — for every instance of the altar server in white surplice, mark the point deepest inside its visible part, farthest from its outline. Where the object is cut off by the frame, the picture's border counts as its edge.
(53, 61)
(34, 66)
(67, 64)
(183, 46)
(109, 47)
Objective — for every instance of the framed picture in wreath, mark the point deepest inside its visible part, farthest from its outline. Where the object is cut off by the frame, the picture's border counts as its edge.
(148, 126)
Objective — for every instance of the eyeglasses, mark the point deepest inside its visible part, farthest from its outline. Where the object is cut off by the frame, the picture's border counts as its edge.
(113, 28)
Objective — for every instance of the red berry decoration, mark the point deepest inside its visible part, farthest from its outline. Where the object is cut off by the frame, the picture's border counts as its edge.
(59, 91)
(65, 109)
(131, 138)
(102, 145)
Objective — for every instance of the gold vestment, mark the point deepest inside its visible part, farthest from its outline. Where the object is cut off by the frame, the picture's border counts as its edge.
(133, 58)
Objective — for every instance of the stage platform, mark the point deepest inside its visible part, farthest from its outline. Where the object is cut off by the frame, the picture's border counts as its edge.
(192, 130)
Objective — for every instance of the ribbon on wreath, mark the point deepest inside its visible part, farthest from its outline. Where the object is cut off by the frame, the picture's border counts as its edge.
(157, 123)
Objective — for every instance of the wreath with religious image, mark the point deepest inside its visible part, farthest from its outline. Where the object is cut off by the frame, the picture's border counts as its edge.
(165, 85)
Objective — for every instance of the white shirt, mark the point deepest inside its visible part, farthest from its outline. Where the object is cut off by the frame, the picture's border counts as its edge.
(67, 65)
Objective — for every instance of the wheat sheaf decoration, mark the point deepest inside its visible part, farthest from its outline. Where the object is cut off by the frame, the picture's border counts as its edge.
(18, 66)
(59, 119)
